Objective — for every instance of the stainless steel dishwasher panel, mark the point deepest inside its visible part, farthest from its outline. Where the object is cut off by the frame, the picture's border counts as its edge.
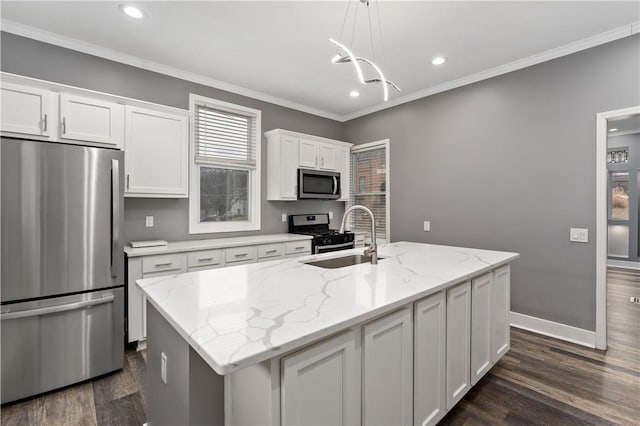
(50, 343)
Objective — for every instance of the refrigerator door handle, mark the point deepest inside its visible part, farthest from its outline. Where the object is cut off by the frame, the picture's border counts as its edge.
(115, 218)
(55, 309)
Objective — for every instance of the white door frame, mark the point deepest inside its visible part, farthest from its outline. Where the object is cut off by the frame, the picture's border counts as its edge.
(601, 220)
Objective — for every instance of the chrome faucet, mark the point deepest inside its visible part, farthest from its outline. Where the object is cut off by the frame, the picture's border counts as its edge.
(372, 250)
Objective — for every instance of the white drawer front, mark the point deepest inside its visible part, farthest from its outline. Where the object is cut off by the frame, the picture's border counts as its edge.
(168, 262)
(269, 250)
(240, 254)
(295, 247)
(205, 258)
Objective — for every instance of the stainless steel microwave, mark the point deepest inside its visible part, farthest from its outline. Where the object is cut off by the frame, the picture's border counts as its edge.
(318, 184)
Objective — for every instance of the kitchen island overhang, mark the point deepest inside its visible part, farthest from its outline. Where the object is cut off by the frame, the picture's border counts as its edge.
(259, 314)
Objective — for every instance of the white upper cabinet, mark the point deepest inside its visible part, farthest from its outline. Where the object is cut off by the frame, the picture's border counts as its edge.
(327, 156)
(93, 120)
(156, 154)
(26, 110)
(343, 162)
(288, 151)
(282, 168)
(308, 154)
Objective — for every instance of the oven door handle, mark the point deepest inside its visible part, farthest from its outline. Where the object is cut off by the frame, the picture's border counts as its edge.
(335, 186)
(335, 246)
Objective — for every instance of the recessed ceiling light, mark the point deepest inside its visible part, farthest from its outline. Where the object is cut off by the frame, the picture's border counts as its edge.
(354, 94)
(132, 11)
(613, 130)
(438, 61)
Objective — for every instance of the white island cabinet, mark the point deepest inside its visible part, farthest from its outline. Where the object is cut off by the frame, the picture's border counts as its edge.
(288, 343)
(321, 385)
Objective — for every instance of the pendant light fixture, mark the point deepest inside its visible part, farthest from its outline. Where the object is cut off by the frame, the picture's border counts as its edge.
(345, 55)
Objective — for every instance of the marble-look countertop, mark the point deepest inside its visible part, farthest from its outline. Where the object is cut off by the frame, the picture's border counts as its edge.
(241, 315)
(214, 243)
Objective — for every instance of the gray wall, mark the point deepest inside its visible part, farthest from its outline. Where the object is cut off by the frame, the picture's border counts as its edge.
(47, 62)
(509, 164)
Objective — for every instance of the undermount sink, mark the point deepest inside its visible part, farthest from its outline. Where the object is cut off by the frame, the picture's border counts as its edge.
(341, 262)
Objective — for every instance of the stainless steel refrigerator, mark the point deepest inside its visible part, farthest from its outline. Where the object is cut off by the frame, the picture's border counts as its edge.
(62, 299)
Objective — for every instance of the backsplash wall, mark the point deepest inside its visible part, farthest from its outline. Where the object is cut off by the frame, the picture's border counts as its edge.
(44, 61)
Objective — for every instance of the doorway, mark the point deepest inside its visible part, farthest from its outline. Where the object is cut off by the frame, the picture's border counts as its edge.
(616, 214)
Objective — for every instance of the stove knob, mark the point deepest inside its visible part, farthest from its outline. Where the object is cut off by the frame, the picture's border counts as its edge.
(327, 241)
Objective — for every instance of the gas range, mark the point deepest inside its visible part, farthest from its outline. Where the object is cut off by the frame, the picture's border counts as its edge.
(324, 239)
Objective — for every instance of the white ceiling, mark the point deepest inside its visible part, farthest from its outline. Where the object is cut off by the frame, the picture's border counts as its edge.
(281, 49)
(625, 126)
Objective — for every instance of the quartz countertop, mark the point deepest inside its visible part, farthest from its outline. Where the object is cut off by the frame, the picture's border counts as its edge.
(214, 243)
(241, 315)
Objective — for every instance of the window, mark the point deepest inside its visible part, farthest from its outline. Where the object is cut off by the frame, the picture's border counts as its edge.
(369, 183)
(224, 187)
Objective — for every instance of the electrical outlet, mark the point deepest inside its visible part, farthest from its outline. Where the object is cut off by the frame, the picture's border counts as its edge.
(148, 220)
(579, 235)
(427, 225)
(284, 217)
(163, 368)
(330, 215)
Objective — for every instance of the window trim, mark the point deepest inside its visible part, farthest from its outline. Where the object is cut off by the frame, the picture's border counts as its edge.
(255, 189)
(384, 143)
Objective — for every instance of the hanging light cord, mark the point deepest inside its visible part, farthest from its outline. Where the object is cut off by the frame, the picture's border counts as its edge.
(373, 52)
(344, 21)
(384, 56)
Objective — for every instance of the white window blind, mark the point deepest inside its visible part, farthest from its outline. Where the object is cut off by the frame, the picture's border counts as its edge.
(369, 188)
(224, 137)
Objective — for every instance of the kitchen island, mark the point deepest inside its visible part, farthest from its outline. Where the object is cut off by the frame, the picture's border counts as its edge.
(285, 342)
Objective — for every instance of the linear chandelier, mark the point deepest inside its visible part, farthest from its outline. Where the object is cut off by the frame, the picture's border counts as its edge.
(345, 55)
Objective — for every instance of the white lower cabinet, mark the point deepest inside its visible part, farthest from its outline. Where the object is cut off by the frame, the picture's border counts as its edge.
(429, 393)
(320, 385)
(458, 371)
(481, 326)
(501, 307)
(387, 370)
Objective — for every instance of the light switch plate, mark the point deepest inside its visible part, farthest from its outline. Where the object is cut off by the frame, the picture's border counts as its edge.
(427, 225)
(148, 220)
(579, 235)
(284, 217)
(330, 215)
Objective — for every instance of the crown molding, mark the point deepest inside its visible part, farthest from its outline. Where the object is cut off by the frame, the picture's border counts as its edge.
(124, 58)
(117, 56)
(567, 49)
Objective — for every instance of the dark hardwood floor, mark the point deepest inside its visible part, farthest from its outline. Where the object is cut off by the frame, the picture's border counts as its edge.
(541, 381)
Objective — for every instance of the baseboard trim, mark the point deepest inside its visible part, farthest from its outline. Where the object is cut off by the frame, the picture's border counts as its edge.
(623, 264)
(554, 329)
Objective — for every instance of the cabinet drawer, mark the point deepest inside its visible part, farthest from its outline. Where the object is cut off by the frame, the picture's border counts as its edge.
(294, 247)
(204, 258)
(168, 262)
(238, 254)
(269, 250)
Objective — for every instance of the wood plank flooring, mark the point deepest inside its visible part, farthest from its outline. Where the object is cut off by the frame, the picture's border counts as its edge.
(541, 381)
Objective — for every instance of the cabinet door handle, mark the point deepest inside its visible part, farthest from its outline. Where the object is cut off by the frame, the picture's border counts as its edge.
(205, 259)
(44, 123)
(299, 248)
(270, 251)
(322, 161)
(158, 265)
(128, 180)
(241, 254)
(315, 160)
(64, 125)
